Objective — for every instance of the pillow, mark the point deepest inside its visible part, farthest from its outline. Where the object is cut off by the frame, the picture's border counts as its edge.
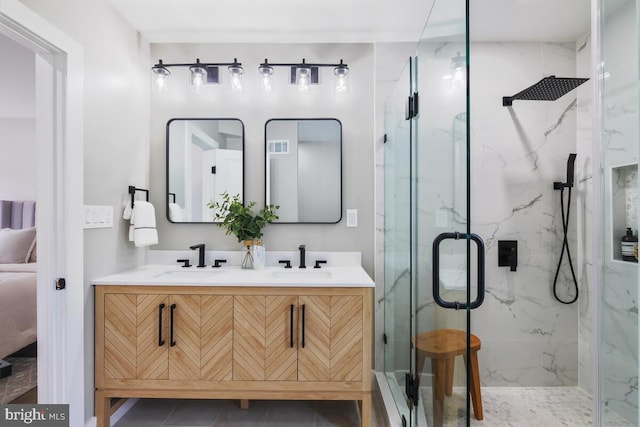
(34, 252)
(16, 245)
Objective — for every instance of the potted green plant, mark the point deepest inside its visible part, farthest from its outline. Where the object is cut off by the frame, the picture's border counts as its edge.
(239, 220)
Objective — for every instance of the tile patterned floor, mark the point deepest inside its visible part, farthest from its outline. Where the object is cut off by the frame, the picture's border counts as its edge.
(525, 407)
(218, 413)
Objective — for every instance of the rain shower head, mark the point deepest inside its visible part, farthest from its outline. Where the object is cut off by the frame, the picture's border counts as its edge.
(548, 89)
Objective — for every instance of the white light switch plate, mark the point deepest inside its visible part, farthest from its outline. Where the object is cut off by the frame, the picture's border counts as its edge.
(98, 216)
(352, 217)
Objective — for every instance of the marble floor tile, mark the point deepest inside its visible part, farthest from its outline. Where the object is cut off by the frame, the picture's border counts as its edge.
(523, 407)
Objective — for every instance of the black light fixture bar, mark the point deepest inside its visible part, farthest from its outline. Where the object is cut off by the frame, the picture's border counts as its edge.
(301, 64)
(161, 64)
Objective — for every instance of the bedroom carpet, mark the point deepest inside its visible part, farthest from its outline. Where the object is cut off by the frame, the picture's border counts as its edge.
(23, 379)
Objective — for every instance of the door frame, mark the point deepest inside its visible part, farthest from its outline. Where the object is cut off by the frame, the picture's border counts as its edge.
(59, 159)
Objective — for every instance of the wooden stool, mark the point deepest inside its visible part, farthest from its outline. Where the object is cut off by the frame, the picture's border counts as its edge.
(442, 346)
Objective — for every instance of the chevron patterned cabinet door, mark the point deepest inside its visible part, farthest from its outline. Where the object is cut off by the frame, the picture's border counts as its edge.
(249, 343)
(120, 336)
(152, 324)
(346, 338)
(184, 353)
(314, 362)
(216, 337)
(281, 338)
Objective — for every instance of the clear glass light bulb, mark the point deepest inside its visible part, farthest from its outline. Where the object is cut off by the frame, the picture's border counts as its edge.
(341, 84)
(266, 84)
(303, 76)
(161, 83)
(197, 81)
(236, 83)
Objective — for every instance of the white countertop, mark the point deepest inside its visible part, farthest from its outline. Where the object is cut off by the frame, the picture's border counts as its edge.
(171, 275)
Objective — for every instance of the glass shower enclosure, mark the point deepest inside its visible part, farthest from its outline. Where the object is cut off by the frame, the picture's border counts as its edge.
(434, 264)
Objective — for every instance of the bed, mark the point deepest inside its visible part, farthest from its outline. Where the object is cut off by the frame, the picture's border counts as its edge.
(17, 276)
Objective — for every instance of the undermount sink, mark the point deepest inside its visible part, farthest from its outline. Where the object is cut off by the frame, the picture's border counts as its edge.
(301, 275)
(187, 274)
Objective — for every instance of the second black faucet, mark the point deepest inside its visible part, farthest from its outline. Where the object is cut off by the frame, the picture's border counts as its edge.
(200, 248)
(301, 248)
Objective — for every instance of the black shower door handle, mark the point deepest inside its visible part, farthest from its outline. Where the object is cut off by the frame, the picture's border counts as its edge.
(436, 270)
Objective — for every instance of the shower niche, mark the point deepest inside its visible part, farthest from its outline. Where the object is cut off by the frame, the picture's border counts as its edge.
(624, 207)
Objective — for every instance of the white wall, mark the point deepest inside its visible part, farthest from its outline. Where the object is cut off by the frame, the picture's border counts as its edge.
(17, 122)
(355, 111)
(17, 80)
(17, 159)
(116, 123)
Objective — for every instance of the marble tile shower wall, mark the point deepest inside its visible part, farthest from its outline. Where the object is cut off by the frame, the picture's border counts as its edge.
(619, 345)
(528, 338)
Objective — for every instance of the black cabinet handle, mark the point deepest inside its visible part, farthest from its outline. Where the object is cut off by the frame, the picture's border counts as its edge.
(291, 326)
(172, 341)
(302, 325)
(160, 340)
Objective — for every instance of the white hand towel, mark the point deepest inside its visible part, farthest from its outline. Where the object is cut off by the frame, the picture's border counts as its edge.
(126, 214)
(143, 220)
(176, 214)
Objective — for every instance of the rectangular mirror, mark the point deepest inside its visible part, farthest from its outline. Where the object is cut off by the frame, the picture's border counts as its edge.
(205, 158)
(303, 169)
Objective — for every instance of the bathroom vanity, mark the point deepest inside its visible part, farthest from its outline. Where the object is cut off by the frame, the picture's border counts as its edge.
(170, 332)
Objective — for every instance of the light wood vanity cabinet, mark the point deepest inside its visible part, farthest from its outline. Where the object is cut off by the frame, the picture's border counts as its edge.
(291, 338)
(233, 343)
(166, 337)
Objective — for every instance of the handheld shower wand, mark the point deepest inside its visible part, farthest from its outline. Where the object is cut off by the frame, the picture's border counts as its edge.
(570, 166)
(565, 227)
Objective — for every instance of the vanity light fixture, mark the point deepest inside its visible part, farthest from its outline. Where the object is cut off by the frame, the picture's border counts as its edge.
(202, 73)
(265, 70)
(304, 74)
(235, 76)
(340, 73)
(198, 74)
(161, 73)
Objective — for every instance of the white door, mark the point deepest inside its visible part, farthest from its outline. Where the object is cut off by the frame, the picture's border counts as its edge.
(59, 158)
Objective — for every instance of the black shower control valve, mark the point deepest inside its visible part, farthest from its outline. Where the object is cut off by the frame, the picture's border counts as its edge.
(217, 262)
(185, 261)
(508, 254)
(286, 262)
(318, 262)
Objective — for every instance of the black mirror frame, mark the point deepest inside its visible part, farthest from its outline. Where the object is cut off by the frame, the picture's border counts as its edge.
(170, 195)
(341, 168)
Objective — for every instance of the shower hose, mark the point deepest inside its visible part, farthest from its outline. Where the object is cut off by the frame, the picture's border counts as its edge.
(565, 245)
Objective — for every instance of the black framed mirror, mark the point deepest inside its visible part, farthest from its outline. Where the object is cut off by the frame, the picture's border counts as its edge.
(205, 158)
(303, 169)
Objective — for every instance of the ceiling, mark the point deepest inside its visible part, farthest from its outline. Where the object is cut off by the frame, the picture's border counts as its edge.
(351, 21)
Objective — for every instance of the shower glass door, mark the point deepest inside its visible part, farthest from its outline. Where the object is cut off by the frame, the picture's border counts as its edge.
(447, 258)
(397, 241)
(433, 263)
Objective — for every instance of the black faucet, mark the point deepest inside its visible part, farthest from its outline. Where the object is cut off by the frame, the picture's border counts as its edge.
(200, 248)
(318, 262)
(302, 251)
(216, 263)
